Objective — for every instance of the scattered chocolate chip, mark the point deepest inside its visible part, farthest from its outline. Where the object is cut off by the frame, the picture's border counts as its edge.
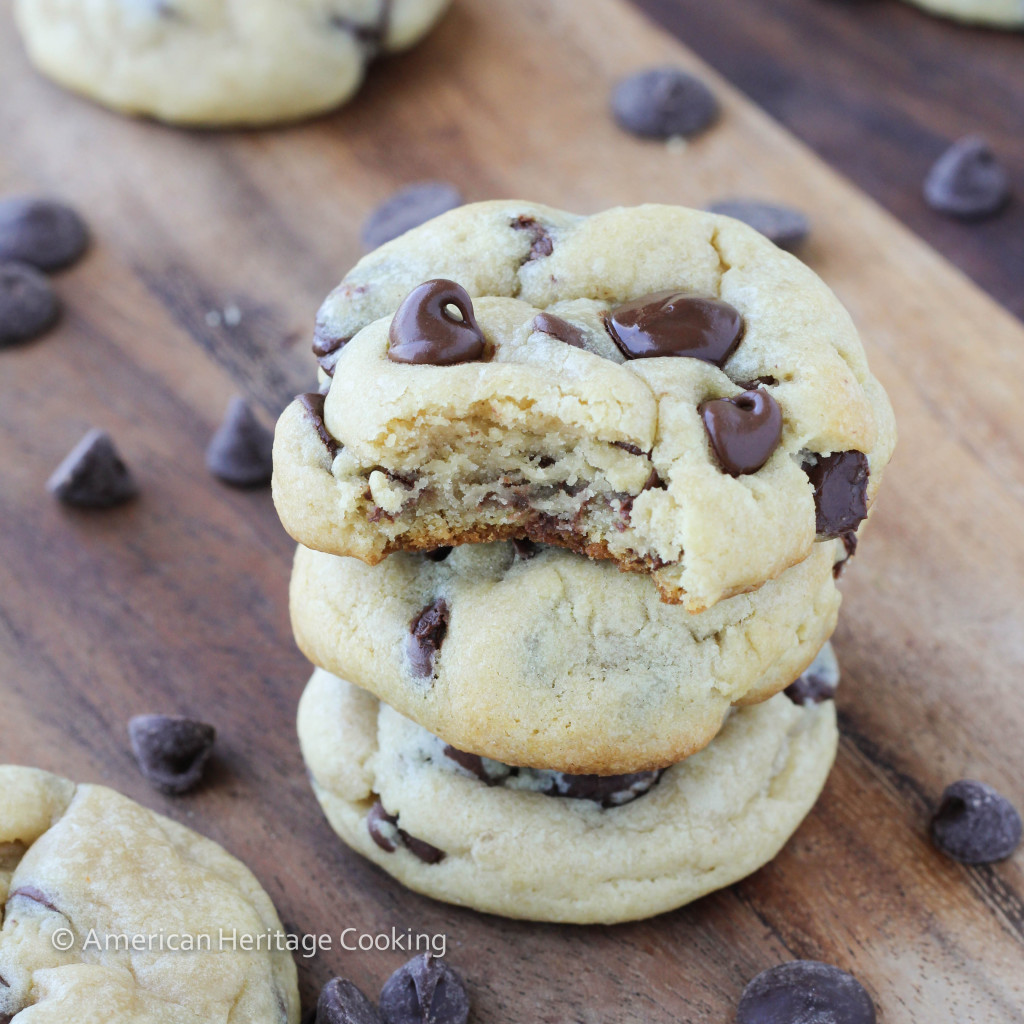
(975, 824)
(967, 181)
(743, 431)
(313, 405)
(819, 680)
(30, 892)
(240, 452)
(840, 483)
(559, 329)
(408, 208)
(783, 225)
(671, 323)
(439, 554)
(524, 549)
(93, 475)
(663, 102)
(28, 304)
(607, 790)
(341, 1002)
(426, 634)
(172, 752)
(424, 331)
(541, 244)
(424, 991)
(44, 233)
(383, 828)
(805, 992)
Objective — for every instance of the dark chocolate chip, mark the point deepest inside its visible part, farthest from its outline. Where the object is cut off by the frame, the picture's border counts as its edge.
(439, 554)
(743, 431)
(172, 752)
(473, 763)
(805, 992)
(240, 452)
(408, 208)
(840, 483)
(541, 244)
(819, 680)
(967, 181)
(783, 225)
(849, 540)
(28, 304)
(313, 405)
(341, 1002)
(633, 449)
(47, 234)
(30, 892)
(383, 827)
(424, 331)
(524, 549)
(975, 824)
(672, 323)
(421, 849)
(93, 475)
(607, 790)
(424, 991)
(663, 102)
(559, 329)
(426, 634)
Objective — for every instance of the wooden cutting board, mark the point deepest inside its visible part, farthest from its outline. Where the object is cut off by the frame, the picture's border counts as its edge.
(177, 602)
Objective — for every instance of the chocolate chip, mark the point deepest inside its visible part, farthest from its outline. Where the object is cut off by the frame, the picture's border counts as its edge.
(408, 208)
(313, 405)
(426, 634)
(439, 554)
(975, 824)
(341, 1002)
(672, 323)
(783, 225)
(967, 181)
(541, 244)
(383, 828)
(172, 752)
(93, 475)
(240, 452)
(607, 790)
(663, 102)
(28, 304)
(424, 331)
(44, 233)
(473, 763)
(424, 991)
(819, 680)
(524, 549)
(559, 329)
(743, 431)
(849, 540)
(805, 992)
(840, 483)
(30, 892)
(421, 849)
(633, 449)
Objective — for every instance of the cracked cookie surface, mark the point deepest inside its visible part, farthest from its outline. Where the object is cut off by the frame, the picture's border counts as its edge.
(551, 428)
(704, 824)
(534, 656)
(88, 860)
(218, 61)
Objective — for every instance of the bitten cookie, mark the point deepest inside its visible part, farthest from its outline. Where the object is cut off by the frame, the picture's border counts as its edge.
(84, 872)
(998, 13)
(549, 847)
(535, 656)
(656, 386)
(218, 61)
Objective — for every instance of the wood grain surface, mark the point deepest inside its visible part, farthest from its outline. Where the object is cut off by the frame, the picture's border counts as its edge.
(177, 603)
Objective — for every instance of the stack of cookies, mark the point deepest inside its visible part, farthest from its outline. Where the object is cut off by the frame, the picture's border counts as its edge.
(571, 505)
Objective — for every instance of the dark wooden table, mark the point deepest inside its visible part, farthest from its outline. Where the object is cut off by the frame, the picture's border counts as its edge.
(878, 88)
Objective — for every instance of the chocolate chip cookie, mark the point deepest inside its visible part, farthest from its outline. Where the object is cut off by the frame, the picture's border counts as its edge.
(998, 13)
(85, 872)
(218, 61)
(656, 386)
(532, 655)
(486, 835)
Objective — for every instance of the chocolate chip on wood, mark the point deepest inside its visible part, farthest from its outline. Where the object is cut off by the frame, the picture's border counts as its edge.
(93, 475)
(240, 452)
(44, 233)
(783, 225)
(408, 208)
(967, 181)
(28, 304)
(662, 102)
(975, 824)
(805, 992)
(172, 753)
(424, 991)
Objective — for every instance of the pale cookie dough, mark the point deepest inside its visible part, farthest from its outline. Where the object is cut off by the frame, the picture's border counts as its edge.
(553, 660)
(998, 13)
(707, 822)
(575, 445)
(212, 62)
(85, 864)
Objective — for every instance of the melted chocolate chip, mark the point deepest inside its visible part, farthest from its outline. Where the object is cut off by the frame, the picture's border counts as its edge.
(93, 475)
(426, 635)
(341, 1002)
(408, 208)
(840, 483)
(607, 790)
(473, 763)
(423, 331)
(30, 892)
(819, 680)
(420, 849)
(559, 329)
(541, 244)
(28, 304)
(975, 824)
(805, 992)
(325, 344)
(438, 554)
(424, 991)
(171, 752)
(743, 431)
(383, 827)
(313, 405)
(43, 233)
(240, 452)
(671, 323)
